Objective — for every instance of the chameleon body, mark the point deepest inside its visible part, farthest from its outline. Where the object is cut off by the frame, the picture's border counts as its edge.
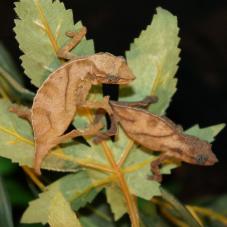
(66, 89)
(161, 134)
(57, 100)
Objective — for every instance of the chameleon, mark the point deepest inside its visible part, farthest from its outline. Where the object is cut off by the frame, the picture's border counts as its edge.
(65, 90)
(158, 134)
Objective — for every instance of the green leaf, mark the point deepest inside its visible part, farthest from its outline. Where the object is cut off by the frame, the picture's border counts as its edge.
(61, 214)
(6, 218)
(15, 136)
(6, 166)
(153, 58)
(207, 133)
(40, 31)
(149, 215)
(16, 143)
(99, 216)
(7, 63)
(180, 208)
(116, 201)
(12, 88)
(138, 170)
(76, 188)
(137, 167)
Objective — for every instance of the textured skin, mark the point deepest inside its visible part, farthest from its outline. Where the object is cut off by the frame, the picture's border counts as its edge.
(57, 100)
(162, 135)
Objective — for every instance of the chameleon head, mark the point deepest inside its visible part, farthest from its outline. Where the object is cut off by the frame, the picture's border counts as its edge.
(111, 69)
(205, 156)
(200, 152)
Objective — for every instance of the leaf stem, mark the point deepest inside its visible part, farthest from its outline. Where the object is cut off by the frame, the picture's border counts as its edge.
(84, 163)
(95, 184)
(15, 134)
(132, 207)
(131, 204)
(34, 178)
(125, 153)
(46, 25)
(195, 215)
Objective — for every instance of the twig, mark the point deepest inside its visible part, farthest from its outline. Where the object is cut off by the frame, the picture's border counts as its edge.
(209, 213)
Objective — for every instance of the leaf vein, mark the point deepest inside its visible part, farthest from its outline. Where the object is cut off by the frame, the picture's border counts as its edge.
(15, 134)
(46, 25)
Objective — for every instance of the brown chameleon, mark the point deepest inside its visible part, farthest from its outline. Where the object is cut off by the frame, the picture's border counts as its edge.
(66, 89)
(158, 134)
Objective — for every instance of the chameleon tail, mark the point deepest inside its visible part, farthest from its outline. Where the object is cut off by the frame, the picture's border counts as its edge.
(40, 153)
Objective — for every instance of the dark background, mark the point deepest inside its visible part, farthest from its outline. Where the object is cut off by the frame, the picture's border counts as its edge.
(202, 93)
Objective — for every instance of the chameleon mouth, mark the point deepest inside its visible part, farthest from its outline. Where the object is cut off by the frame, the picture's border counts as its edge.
(211, 161)
(125, 81)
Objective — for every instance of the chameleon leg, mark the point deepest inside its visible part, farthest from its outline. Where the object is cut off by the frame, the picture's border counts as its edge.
(76, 38)
(110, 132)
(99, 105)
(103, 105)
(92, 130)
(155, 168)
(22, 112)
(143, 103)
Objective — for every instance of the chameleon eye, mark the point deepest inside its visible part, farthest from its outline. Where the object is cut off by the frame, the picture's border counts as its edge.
(201, 159)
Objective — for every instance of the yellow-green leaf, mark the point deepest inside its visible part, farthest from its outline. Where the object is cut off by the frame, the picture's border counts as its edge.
(153, 58)
(138, 170)
(60, 213)
(116, 201)
(40, 31)
(77, 189)
(207, 133)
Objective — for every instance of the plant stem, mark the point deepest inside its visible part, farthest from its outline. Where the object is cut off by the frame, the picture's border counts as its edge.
(195, 215)
(132, 207)
(131, 204)
(210, 213)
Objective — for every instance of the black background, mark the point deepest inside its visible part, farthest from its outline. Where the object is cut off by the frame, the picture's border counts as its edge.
(202, 93)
